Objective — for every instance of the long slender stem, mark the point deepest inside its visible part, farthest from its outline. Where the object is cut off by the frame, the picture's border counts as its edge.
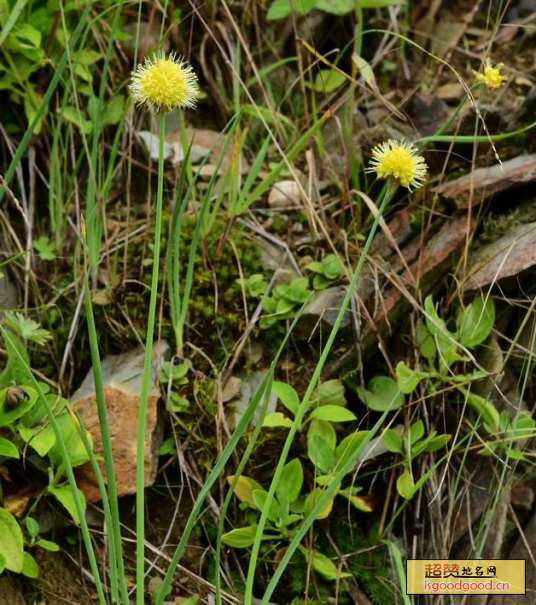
(146, 377)
(114, 528)
(305, 404)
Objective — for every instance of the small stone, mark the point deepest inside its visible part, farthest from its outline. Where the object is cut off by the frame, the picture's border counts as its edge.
(284, 194)
(250, 382)
(122, 377)
(322, 312)
(231, 389)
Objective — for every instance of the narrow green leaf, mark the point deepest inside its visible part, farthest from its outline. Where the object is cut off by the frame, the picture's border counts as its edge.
(332, 413)
(11, 542)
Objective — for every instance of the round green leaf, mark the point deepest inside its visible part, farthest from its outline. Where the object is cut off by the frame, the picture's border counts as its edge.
(382, 394)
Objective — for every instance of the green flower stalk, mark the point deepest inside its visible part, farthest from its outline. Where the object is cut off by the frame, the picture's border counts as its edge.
(162, 84)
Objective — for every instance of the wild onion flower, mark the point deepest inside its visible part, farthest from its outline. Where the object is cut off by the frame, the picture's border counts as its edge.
(492, 77)
(164, 84)
(399, 161)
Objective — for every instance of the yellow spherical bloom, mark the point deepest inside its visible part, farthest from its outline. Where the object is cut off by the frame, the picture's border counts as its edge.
(492, 77)
(164, 84)
(399, 161)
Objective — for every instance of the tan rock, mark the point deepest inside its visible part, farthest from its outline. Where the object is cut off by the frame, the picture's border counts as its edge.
(122, 376)
(284, 194)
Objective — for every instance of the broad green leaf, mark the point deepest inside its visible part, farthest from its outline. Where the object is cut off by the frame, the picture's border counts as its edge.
(315, 267)
(46, 248)
(27, 328)
(8, 449)
(330, 392)
(41, 439)
(392, 441)
(291, 481)
(69, 427)
(64, 495)
(332, 413)
(475, 321)
(2, 563)
(48, 545)
(436, 443)
(360, 502)
(364, 68)
(113, 111)
(328, 80)
(74, 116)
(298, 290)
(408, 379)
(523, 426)
(445, 340)
(29, 566)
(382, 394)
(290, 519)
(405, 485)
(87, 56)
(280, 9)
(284, 306)
(332, 267)
(32, 526)
(324, 566)
(275, 419)
(342, 7)
(312, 498)
(416, 431)
(325, 430)
(347, 447)
(320, 453)
(287, 395)
(324, 480)
(239, 538)
(259, 497)
(485, 409)
(243, 489)
(425, 341)
(11, 542)
(15, 372)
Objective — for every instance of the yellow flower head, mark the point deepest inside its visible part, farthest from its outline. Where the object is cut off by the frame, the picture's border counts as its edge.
(164, 83)
(491, 77)
(399, 161)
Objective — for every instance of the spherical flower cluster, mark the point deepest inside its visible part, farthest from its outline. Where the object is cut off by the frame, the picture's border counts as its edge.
(492, 77)
(164, 84)
(399, 161)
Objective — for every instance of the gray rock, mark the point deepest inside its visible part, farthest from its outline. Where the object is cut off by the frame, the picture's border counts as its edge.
(249, 384)
(321, 313)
